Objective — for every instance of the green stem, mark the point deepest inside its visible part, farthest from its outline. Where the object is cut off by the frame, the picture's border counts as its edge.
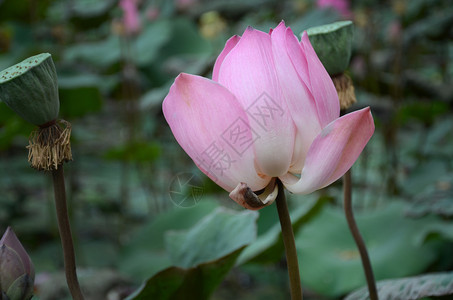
(65, 233)
(357, 236)
(290, 245)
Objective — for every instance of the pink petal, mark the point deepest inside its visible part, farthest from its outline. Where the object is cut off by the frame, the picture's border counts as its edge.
(228, 46)
(297, 56)
(213, 129)
(248, 71)
(333, 152)
(299, 99)
(322, 87)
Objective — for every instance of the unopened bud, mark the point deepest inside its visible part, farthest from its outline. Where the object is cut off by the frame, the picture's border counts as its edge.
(17, 272)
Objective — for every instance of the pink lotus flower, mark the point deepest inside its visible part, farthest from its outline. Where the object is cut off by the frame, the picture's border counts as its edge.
(131, 19)
(341, 6)
(270, 111)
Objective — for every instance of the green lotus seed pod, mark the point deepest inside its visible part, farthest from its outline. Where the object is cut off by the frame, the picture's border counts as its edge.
(30, 88)
(333, 45)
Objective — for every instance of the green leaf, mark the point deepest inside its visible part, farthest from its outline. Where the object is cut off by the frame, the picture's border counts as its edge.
(441, 229)
(147, 45)
(82, 14)
(145, 253)
(201, 256)
(90, 8)
(75, 80)
(79, 101)
(154, 97)
(98, 254)
(20, 10)
(218, 234)
(186, 39)
(421, 111)
(439, 141)
(424, 177)
(417, 287)
(438, 201)
(193, 283)
(330, 262)
(434, 26)
(100, 54)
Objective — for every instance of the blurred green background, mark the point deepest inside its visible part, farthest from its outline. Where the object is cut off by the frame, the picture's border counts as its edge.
(129, 227)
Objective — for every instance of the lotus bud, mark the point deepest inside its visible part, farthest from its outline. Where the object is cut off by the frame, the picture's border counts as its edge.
(333, 45)
(17, 272)
(30, 88)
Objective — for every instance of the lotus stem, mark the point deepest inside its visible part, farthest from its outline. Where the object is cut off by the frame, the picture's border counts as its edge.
(290, 245)
(65, 233)
(347, 199)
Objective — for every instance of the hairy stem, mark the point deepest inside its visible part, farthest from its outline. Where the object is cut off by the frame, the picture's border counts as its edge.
(290, 245)
(65, 233)
(347, 201)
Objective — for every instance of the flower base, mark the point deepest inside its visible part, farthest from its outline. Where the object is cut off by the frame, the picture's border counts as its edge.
(50, 146)
(345, 89)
